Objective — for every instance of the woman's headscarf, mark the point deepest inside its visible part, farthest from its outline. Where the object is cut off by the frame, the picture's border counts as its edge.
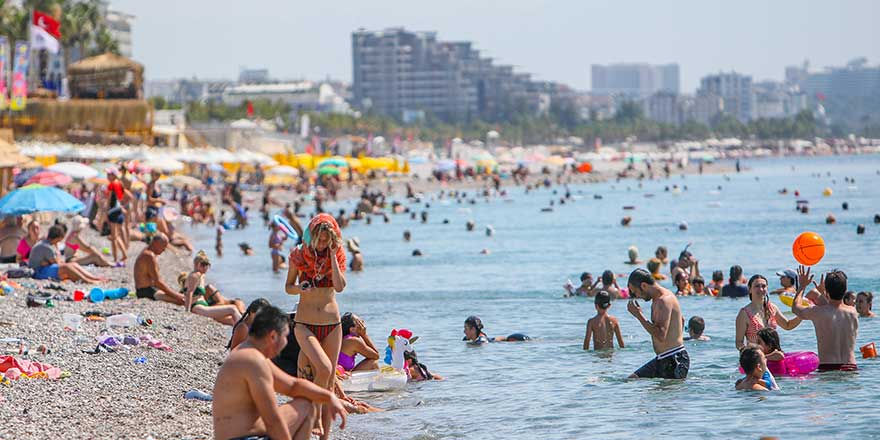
(307, 260)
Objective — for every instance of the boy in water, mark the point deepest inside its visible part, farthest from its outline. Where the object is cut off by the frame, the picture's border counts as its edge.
(609, 284)
(758, 378)
(699, 287)
(695, 328)
(603, 327)
(864, 301)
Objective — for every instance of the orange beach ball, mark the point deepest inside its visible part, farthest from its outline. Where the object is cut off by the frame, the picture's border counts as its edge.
(808, 248)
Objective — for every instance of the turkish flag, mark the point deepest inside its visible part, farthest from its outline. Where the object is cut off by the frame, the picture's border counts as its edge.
(48, 24)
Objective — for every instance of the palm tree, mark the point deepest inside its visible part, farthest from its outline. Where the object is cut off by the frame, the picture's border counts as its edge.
(104, 42)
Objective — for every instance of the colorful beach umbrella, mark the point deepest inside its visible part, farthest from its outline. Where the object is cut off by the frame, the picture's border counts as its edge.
(333, 161)
(49, 178)
(328, 171)
(283, 170)
(25, 175)
(38, 198)
(75, 170)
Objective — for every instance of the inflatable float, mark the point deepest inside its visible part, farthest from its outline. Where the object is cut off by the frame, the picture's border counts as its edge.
(797, 363)
(788, 299)
(285, 227)
(389, 377)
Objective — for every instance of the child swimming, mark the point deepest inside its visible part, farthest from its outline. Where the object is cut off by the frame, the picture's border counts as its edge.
(768, 340)
(603, 327)
(758, 378)
(473, 333)
(696, 326)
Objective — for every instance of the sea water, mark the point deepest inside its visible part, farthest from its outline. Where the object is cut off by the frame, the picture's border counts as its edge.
(550, 387)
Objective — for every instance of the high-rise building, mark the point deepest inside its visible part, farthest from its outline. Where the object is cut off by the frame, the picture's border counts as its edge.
(402, 73)
(635, 81)
(119, 25)
(856, 79)
(253, 76)
(735, 90)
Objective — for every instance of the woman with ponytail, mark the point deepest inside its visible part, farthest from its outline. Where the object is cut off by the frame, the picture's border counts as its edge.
(240, 329)
(760, 313)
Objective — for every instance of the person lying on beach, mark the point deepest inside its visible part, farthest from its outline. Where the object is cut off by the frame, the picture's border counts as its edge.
(585, 289)
(603, 327)
(48, 264)
(473, 333)
(836, 324)
(196, 298)
(666, 327)
(147, 281)
(245, 390)
(864, 302)
(356, 341)
(695, 328)
(758, 377)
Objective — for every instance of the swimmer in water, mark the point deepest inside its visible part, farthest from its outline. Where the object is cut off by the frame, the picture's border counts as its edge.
(758, 378)
(864, 302)
(695, 328)
(246, 249)
(585, 289)
(849, 298)
(473, 333)
(768, 341)
(603, 327)
(633, 253)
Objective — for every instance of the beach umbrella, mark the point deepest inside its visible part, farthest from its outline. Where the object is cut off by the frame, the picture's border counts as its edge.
(49, 178)
(165, 164)
(585, 167)
(333, 161)
(554, 160)
(445, 165)
(75, 170)
(328, 170)
(23, 176)
(38, 198)
(181, 181)
(283, 170)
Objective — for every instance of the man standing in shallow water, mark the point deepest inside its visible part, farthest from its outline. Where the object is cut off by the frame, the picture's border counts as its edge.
(665, 327)
(836, 323)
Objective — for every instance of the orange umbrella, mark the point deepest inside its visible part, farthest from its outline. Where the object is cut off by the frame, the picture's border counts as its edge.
(585, 167)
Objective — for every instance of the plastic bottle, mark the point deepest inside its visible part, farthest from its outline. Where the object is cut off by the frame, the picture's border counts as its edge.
(123, 320)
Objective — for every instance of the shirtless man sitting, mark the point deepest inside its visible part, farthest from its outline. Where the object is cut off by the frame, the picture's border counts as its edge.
(244, 404)
(836, 323)
(147, 281)
(666, 327)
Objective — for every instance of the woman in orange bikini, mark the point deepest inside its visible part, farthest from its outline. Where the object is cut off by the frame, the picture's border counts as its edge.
(317, 274)
(760, 313)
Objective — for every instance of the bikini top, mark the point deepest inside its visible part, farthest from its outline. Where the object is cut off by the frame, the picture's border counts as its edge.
(755, 324)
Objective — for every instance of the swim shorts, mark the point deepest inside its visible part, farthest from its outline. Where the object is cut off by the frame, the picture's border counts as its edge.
(837, 367)
(252, 437)
(148, 292)
(116, 216)
(671, 364)
(49, 272)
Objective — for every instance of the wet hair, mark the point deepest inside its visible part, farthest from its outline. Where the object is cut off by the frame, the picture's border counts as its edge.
(717, 276)
(607, 277)
(252, 309)
(684, 255)
(736, 272)
(413, 358)
(697, 324)
(699, 280)
(681, 275)
(749, 359)
(770, 337)
(269, 318)
(850, 295)
(835, 284)
(661, 250)
(585, 275)
(639, 276)
(55, 231)
(868, 295)
(654, 265)
(347, 322)
(475, 323)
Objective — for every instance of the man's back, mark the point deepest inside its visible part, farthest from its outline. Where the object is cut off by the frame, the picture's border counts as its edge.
(734, 291)
(837, 327)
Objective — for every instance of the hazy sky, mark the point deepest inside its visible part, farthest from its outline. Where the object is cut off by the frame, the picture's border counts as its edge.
(554, 40)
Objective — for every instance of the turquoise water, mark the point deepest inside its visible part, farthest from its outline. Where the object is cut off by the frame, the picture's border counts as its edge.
(550, 388)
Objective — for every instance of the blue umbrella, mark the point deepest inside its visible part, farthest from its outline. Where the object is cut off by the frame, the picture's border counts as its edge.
(37, 198)
(26, 175)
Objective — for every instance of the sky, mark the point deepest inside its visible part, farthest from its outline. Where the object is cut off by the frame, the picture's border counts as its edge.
(554, 40)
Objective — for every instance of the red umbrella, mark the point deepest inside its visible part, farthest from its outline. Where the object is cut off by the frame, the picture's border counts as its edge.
(49, 178)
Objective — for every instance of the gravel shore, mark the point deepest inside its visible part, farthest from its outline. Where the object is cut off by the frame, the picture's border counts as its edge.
(109, 395)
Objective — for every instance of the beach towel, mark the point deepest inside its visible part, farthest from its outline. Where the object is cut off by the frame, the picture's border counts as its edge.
(313, 264)
(13, 368)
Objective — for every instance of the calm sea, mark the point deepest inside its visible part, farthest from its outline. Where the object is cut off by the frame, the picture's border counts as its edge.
(550, 388)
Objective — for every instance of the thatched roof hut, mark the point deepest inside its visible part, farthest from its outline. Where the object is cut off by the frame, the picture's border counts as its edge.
(10, 157)
(106, 76)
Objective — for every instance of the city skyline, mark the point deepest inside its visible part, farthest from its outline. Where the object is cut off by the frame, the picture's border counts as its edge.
(555, 41)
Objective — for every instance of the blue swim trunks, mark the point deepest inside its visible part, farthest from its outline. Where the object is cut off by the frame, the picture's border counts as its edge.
(49, 272)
